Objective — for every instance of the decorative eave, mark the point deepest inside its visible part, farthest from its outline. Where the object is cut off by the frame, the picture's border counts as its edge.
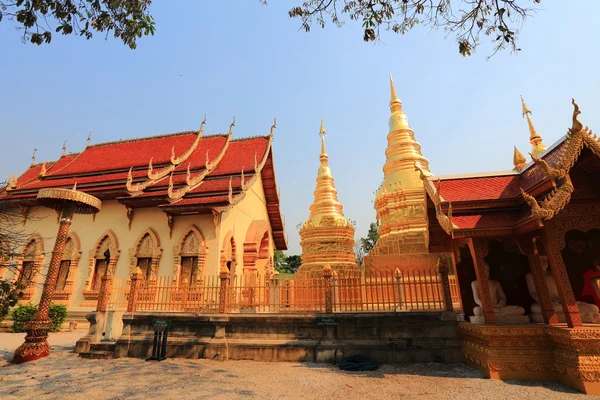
(558, 172)
(445, 220)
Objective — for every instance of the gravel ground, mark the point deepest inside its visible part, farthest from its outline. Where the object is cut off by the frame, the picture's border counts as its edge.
(64, 374)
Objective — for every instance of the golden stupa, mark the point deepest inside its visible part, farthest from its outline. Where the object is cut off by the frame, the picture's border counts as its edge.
(537, 146)
(400, 201)
(327, 237)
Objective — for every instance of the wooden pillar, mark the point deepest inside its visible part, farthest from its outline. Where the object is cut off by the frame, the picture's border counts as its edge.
(563, 284)
(478, 249)
(541, 286)
(445, 283)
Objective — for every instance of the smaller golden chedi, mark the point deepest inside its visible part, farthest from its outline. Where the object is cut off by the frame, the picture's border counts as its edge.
(327, 237)
(537, 146)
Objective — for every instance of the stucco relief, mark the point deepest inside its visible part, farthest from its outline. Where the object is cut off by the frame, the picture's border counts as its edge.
(32, 252)
(147, 246)
(107, 241)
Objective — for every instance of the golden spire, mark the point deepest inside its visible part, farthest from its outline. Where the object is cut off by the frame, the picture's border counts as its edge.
(519, 160)
(325, 202)
(395, 103)
(534, 137)
(322, 133)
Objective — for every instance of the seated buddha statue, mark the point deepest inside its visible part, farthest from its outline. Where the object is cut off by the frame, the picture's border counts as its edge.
(506, 314)
(589, 312)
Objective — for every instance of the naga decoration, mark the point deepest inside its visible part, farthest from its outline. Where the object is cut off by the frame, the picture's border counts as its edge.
(559, 197)
(192, 183)
(11, 183)
(154, 177)
(42, 171)
(434, 193)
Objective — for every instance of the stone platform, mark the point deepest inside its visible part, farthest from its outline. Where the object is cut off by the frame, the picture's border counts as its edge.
(536, 352)
(327, 338)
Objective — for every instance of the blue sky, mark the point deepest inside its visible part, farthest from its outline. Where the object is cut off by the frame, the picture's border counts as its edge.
(248, 60)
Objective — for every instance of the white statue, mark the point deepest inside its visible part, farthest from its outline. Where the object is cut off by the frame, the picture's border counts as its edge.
(589, 312)
(505, 314)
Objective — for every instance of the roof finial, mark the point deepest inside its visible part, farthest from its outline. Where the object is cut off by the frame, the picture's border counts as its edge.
(74, 186)
(273, 127)
(33, 157)
(322, 133)
(395, 103)
(89, 140)
(519, 160)
(64, 149)
(577, 126)
(534, 137)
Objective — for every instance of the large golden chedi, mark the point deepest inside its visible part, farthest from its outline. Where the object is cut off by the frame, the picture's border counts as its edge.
(327, 237)
(400, 201)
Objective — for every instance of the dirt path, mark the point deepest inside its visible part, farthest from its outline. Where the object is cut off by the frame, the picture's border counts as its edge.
(63, 375)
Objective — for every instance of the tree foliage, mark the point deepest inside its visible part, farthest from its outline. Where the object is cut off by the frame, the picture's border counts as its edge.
(286, 264)
(467, 19)
(367, 243)
(127, 20)
(24, 313)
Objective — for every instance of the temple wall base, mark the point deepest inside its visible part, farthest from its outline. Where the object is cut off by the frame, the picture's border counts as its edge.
(325, 338)
(535, 352)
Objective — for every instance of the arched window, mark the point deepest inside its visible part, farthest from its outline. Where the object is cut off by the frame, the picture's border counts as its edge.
(68, 266)
(189, 257)
(146, 255)
(107, 245)
(28, 265)
(228, 255)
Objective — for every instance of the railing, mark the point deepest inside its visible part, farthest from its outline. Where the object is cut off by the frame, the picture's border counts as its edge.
(414, 290)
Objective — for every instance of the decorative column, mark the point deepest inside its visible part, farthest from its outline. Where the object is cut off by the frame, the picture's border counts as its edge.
(563, 284)
(327, 275)
(136, 281)
(541, 286)
(478, 249)
(443, 271)
(105, 286)
(68, 202)
(224, 276)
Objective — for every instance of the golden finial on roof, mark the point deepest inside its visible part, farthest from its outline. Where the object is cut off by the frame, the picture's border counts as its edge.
(12, 182)
(395, 103)
(519, 160)
(89, 140)
(64, 149)
(534, 137)
(33, 157)
(577, 126)
(273, 127)
(231, 126)
(74, 186)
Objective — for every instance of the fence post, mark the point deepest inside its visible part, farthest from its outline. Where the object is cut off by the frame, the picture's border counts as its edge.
(224, 276)
(398, 277)
(327, 274)
(443, 271)
(105, 292)
(136, 280)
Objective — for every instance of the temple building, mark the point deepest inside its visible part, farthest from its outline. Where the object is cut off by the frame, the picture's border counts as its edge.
(183, 205)
(400, 201)
(327, 237)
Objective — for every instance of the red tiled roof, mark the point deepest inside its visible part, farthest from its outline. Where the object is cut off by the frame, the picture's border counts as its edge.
(479, 188)
(485, 221)
(103, 170)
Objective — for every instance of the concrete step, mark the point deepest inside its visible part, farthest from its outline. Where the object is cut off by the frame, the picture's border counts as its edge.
(97, 355)
(103, 346)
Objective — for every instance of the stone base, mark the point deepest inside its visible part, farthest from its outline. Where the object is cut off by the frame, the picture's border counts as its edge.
(512, 320)
(385, 337)
(535, 352)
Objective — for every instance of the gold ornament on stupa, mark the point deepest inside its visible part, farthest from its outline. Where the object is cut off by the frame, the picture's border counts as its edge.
(537, 147)
(327, 237)
(400, 200)
(519, 160)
